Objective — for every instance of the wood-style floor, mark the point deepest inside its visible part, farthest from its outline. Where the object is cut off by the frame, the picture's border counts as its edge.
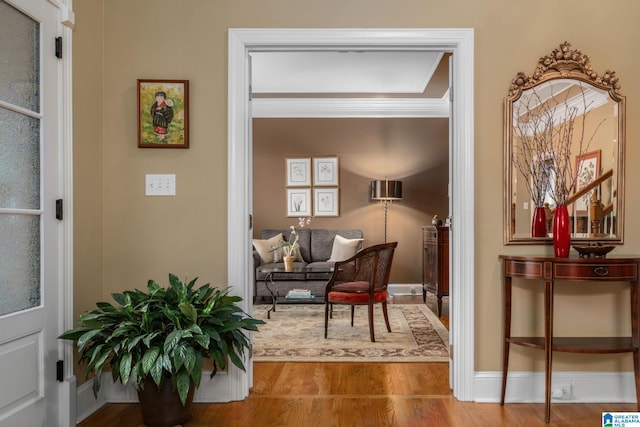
(360, 394)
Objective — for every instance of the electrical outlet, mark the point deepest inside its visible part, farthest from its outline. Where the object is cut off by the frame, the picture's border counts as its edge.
(562, 391)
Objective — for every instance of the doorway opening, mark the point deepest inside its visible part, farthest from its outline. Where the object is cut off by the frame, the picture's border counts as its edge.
(240, 204)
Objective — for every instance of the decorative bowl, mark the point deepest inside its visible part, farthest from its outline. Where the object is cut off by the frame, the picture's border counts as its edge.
(593, 251)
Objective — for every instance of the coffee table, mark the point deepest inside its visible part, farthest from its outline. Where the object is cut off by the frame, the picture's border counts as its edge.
(271, 286)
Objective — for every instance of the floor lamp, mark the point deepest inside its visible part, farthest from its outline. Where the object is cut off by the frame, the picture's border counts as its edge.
(386, 191)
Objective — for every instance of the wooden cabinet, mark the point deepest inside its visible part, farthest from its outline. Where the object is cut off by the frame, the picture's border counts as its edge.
(545, 271)
(435, 263)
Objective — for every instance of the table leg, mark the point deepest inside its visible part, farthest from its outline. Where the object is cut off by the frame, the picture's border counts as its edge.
(548, 345)
(635, 338)
(268, 278)
(507, 335)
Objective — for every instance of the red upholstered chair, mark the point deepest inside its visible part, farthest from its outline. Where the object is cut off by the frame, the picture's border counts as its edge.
(361, 280)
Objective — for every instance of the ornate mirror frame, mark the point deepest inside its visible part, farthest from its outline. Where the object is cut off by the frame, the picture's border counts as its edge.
(601, 196)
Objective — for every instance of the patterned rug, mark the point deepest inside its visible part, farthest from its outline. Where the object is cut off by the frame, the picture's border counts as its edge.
(296, 333)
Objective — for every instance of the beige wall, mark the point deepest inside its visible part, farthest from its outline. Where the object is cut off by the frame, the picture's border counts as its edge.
(414, 151)
(123, 238)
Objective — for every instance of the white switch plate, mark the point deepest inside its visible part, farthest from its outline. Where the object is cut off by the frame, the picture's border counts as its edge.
(160, 185)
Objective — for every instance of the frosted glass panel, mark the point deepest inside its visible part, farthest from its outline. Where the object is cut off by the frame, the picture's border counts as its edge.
(20, 36)
(19, 262)
(19, 161)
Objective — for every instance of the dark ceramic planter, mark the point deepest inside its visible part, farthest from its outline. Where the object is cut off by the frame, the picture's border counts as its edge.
(161, 407)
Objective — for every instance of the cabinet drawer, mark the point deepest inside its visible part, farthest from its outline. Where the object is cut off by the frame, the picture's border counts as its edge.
(600, 271)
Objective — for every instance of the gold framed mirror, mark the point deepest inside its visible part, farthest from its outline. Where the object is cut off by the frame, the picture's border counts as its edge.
(564, 126)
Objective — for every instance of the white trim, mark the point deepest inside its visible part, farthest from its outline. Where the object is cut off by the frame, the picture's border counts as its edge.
(404, 289)
(458, 41)
(352, 107)
(68, 403)
(528, 387)
(210, 390)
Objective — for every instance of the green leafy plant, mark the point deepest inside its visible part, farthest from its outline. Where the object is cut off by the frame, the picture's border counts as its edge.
(163, 334)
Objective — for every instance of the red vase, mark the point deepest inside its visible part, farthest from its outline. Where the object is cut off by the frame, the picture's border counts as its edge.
(561, 232)
(539, 223)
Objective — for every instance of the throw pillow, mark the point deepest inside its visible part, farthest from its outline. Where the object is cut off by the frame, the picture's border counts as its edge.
(265, 248)
(343, 248)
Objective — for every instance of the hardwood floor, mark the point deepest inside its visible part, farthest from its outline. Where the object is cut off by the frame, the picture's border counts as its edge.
(361, 394)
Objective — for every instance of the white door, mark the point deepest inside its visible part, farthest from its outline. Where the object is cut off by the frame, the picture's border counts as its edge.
(30, 241)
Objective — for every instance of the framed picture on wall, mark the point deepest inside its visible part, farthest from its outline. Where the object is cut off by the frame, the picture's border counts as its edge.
(325, 171)
(298, 202)
(163, 113)
(299, 172)
(325, 202)
(587, 169)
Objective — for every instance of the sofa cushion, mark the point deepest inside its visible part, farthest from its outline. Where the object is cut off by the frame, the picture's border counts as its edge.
(323, 274)
(264, 247)
(344, 248)
(322, 242)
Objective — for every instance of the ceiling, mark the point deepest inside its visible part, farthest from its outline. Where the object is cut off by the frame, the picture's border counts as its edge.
(350, 84)
(349, 73)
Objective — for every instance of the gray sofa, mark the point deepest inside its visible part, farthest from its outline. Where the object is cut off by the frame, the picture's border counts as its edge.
(315, 247)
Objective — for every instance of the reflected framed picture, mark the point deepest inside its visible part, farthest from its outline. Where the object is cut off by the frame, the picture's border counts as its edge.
(298, 202)
(163, 113)
(325, 171)
(587, 169)
(299, 172)
(325, 202)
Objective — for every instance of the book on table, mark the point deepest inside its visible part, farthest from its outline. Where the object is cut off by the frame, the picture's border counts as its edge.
(299, 293)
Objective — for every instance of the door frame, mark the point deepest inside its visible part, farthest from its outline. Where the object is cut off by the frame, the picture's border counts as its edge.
(239, 191)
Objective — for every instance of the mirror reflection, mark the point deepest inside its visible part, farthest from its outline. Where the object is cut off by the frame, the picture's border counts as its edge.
(564, 144)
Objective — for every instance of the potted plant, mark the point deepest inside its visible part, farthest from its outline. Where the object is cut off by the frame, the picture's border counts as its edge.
(291, 246)
(157, 341)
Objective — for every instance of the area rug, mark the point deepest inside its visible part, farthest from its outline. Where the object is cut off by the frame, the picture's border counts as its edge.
(296, 333)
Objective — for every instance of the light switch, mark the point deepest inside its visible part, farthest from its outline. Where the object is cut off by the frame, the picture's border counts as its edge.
(160, 185)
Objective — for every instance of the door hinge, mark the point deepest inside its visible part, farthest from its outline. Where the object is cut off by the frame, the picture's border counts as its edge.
(250, 222)
(59, 209)
(60, 371)
(59, 47)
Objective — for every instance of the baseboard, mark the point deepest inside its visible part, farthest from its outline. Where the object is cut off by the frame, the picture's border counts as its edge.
(86, 403)
(211, 390)
(528, 387)
(405, 289)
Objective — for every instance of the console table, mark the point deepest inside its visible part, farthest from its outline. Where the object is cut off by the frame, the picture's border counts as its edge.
(548, 270)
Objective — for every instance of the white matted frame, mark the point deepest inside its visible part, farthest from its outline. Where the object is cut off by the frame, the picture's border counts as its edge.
(325, 171)
(299, 172)
(325, 202)
(298, 202)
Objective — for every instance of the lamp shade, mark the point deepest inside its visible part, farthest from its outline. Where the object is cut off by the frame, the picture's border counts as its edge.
(386, 190)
